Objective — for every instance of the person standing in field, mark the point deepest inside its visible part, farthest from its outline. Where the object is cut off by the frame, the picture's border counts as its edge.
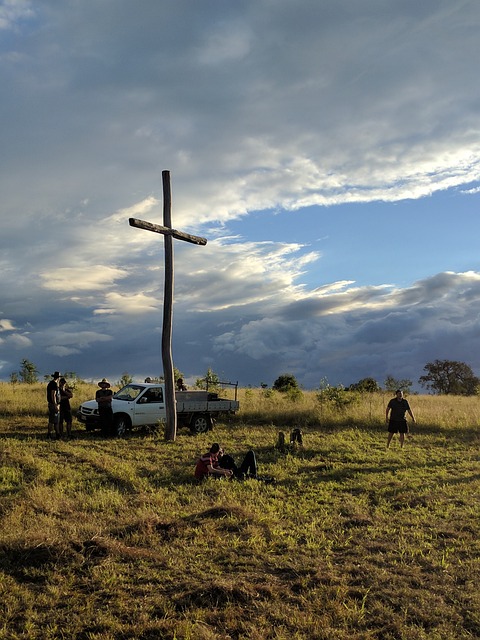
(65, 409)
(53, 400)
(397, 423)
(104, 399)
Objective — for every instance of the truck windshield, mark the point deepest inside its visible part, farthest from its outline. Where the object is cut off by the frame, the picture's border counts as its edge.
(129, 393)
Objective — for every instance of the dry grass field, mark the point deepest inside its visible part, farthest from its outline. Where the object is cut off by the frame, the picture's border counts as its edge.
(107, 539)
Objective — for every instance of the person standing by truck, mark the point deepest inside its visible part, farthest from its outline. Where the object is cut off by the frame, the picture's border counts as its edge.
(181, 386)
(53, 400)
(65, 409)
(104, 397)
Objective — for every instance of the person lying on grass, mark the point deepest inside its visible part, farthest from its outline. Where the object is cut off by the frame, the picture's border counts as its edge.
(217, 464)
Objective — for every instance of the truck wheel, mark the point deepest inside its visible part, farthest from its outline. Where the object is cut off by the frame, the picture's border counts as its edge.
(121, 424)
(201, 424)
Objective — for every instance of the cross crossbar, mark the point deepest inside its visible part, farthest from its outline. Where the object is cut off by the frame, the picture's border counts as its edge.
(166, 231)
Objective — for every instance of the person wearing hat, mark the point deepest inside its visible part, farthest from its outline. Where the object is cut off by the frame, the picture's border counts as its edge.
(104, 399)
(53, 400)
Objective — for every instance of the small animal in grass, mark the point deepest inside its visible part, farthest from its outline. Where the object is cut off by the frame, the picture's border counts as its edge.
(296, 438)
(296, 441)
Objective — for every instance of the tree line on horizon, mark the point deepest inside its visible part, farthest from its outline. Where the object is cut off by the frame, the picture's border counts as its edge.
(442, 377)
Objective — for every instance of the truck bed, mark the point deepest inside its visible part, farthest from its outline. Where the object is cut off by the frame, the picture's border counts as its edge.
(210, 406)
(203, 401)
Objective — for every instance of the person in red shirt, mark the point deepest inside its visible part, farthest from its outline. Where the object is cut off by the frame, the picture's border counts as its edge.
(217, 463)
(208, 465)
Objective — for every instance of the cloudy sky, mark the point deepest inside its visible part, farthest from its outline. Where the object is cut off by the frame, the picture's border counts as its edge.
(329, 151)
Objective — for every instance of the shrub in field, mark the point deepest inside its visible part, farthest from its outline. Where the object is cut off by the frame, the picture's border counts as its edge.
(338, 397)
(294, 394)
(365, 385)
(124, 380)
(285, 382)
(211, 381)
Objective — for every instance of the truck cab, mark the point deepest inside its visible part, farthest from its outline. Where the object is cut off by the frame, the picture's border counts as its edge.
(134, 405)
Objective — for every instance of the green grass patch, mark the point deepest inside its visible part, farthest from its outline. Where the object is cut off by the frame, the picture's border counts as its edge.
(104, 539)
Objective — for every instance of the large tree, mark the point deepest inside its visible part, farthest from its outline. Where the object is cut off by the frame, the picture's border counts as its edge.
(450, 377)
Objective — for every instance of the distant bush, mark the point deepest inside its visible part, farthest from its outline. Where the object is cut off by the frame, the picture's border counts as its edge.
(337, 397)
(294, 394)
(285, 382)
(365, 385)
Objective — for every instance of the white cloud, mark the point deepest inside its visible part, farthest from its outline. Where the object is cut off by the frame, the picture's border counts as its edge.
(138, 209)
(13, 11)
(99, 277)
(6, 325)
(18, 341)
(129, 304)
(65, 335)
(62, 352)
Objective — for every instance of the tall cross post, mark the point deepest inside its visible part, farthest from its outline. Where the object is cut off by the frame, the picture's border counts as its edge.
(168, 234)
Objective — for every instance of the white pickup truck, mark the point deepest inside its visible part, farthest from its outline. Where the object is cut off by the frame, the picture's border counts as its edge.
(138, 405)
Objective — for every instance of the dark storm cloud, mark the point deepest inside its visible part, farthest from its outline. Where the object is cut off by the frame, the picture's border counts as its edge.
(252, 106)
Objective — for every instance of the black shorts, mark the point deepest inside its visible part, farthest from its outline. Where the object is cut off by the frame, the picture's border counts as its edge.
(397, 426)
(65, 414)
(52, 413)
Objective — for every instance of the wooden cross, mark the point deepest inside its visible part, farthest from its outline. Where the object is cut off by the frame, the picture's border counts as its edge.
(169, 234)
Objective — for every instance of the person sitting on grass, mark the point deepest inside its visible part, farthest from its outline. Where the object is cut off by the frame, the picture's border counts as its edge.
(217, 464)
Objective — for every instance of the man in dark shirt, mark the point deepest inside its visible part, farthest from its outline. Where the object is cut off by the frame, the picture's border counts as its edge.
(53, 400)
(397, 408)
(66, 395)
